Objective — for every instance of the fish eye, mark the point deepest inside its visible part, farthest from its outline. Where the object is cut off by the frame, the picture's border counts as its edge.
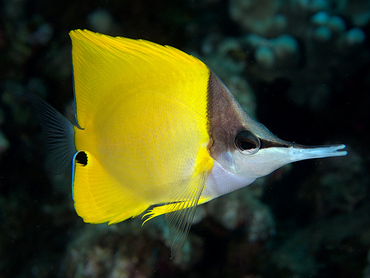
(247, 143)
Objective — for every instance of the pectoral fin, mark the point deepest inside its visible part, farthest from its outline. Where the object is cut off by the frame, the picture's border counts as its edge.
(180, 214)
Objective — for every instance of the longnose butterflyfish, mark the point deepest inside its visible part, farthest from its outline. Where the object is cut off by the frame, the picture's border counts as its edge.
(156, 131)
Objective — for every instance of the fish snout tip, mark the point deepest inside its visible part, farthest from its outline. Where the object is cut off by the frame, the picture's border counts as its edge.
(339, 150)
(301, 152)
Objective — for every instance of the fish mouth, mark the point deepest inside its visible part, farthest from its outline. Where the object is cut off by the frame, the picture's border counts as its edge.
(302, 152)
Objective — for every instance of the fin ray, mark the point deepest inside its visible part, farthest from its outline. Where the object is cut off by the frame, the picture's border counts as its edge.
(58, 133)
(118, 66)
(179, 221)
(179, 215)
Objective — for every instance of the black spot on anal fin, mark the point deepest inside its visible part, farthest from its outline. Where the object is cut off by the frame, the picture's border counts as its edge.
(81, 158)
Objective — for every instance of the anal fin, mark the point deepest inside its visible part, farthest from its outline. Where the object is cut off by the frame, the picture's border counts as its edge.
(99, 197)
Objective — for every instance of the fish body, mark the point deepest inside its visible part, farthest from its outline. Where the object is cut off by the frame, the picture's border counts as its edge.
(156, 129)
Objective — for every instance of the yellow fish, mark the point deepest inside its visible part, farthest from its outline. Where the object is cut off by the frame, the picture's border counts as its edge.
(156, 129)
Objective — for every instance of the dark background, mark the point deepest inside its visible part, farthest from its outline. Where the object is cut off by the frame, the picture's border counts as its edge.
(310, 219)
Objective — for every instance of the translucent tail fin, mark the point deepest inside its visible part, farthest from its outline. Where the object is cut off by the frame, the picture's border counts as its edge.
(58, 132)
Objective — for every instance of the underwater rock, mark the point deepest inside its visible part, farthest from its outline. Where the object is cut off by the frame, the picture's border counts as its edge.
(302, 50)
(274, 54)
(259, 17)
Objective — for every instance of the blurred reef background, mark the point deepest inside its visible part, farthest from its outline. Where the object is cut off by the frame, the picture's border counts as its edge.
(301, 67)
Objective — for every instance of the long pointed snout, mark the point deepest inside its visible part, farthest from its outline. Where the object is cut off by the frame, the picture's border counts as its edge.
(301, 152)
(269, 159)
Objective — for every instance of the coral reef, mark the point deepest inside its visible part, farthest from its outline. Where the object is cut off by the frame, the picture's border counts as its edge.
(259, 17)
(296, 39)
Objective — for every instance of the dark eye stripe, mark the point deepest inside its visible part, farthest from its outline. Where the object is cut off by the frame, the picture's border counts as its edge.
(268, 144)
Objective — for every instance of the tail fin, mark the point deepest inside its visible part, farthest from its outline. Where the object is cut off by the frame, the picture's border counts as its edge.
(58, 132)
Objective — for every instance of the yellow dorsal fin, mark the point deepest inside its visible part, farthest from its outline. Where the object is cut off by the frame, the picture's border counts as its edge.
(103, 63)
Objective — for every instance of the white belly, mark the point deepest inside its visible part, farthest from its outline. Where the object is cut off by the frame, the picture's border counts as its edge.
(221, 182)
